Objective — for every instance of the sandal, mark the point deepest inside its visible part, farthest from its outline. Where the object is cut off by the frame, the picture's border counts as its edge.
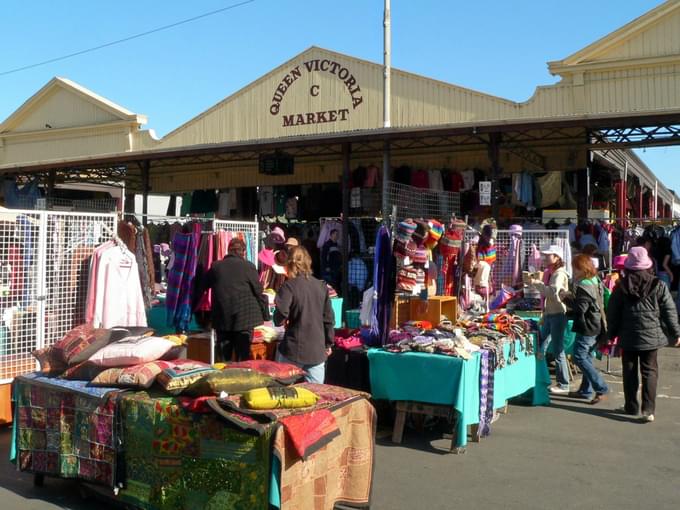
(599, 397)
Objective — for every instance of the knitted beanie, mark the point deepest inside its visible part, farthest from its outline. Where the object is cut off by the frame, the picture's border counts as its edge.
(420, 233)
(405, 230)
(434, 235)
(420, 257)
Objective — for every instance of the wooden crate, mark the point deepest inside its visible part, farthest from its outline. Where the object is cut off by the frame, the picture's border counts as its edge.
(432, 309)
(5, 404)
(401, 311)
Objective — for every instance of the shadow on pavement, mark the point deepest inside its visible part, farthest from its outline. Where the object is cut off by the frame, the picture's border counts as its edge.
(586, 408)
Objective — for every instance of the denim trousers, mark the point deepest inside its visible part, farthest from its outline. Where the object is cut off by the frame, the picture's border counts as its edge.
(315, 373)
(552, 332)
(592, 379)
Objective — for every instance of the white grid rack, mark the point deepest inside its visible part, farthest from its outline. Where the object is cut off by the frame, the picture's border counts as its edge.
(530, 239)
(44, 262)
(250, 230)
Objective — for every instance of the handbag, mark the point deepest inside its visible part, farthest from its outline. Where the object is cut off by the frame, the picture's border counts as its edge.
(603, 336)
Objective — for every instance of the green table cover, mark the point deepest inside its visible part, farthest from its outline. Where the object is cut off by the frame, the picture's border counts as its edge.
(446, 380)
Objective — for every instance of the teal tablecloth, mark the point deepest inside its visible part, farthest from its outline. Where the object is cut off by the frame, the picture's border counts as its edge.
(446, 380)
(569, 335)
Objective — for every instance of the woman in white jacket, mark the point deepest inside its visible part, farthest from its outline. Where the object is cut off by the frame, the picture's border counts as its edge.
(554, 320)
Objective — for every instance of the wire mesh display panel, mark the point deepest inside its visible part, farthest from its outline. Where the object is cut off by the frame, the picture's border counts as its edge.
(421, 203)
(19, 260)
(70, 239)
(44, 262)
(514, 257)
(248, 228)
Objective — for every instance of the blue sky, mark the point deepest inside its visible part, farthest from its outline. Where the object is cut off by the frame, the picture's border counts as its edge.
(495, 46)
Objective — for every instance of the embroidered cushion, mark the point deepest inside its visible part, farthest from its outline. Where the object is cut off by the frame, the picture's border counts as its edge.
(136, 376)
(132, 351)
(83, 341)
(229, 380)
(49, 363)
(285, 373)
(183, 372)
(279, 398)
(84, 371)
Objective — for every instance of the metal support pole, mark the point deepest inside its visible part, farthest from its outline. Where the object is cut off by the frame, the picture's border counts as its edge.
(655, 214)
(385, 181)
(51, 183)
(387, 64)
(494, 155)
(346, 153)
(145, 190)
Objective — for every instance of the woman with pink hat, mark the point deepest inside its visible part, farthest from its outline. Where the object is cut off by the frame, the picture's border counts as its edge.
(642, 314)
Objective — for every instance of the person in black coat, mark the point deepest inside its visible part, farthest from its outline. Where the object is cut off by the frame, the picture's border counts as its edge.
(642, 314)
(238, 304)
(303, 305)
(585, 305)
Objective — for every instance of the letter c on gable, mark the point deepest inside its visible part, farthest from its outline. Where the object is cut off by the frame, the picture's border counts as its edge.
(314, 91)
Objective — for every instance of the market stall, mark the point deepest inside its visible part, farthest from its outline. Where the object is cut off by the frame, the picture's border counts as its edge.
(174, 433)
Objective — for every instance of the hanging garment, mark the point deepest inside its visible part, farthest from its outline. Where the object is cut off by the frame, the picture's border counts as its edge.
(449, 247)
(420, 179)
(550, 186)
(202, 301)
(143, 268)
(118, 299)
(383, 282)
(468, 180)
(486, 389)
(265, 196)
(223, 210)
(180, 281)
(92, 280)
(372, 176)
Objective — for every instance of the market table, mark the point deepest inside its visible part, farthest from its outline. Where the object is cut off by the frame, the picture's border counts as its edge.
(569, 335)
(144, 449)
(453, 381)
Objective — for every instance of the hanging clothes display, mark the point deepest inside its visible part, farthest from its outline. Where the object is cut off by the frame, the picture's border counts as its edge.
(383, 282)
(181, 278)
(114, 291)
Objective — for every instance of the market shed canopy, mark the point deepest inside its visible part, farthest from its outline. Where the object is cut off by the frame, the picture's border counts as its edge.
(622, 91)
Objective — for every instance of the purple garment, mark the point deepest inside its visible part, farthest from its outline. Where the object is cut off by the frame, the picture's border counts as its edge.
(383, 282)
(181, 279)
(486, 386)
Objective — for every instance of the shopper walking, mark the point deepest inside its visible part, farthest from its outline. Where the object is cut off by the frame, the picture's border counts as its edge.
(642, 314)
(554, 320)
(238, 304)
(586, 304)
(303, 305)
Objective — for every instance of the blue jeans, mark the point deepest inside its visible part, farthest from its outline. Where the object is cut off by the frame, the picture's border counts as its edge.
(315, 373)
(552, 332)
(665, 277)
(592, 379)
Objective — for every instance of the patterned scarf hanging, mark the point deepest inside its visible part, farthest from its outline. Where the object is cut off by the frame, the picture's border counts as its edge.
(449, 247)
(486, 387)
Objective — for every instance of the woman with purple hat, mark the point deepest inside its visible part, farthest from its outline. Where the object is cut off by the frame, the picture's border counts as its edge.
(642, 314)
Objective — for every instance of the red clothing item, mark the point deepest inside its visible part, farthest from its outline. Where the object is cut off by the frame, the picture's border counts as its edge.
(456, 182)
(420, 179)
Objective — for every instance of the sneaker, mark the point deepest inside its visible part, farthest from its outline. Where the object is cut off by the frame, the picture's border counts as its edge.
(582, 396)
(556, 390)
(647, 418)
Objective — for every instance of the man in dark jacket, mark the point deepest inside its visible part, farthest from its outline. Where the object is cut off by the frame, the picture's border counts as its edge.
(641, 313)
(238, 304)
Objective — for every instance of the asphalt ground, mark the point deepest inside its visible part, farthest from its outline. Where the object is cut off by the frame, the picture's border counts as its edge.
(567, 455)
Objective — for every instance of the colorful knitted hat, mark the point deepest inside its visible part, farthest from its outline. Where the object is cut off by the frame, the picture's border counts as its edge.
(420, 257)
(434, 235)
(420, 277)
(406, 279)
(487, 254)
(405, 230)
(421, 231)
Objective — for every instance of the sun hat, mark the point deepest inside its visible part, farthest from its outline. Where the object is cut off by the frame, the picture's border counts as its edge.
(266, 256)
(291, 241)
(620, 261)
(280, 259)
(553, 249)
(277, 235)
(638, 259)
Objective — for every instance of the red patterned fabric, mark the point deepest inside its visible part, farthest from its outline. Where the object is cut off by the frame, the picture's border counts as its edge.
(310, 432)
